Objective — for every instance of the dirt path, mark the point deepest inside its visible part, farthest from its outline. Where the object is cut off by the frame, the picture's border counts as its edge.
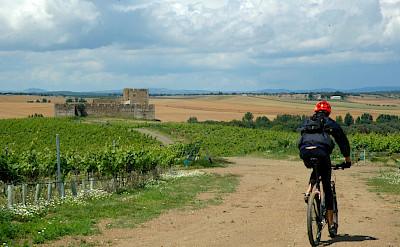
(268, 210)
(160, 137)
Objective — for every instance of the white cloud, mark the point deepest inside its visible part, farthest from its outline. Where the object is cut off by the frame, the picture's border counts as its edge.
(84, 43)
(42, 24)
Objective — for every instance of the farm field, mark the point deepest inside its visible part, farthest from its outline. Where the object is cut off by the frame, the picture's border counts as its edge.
(217, 107)
(17, 106)
(229, 107)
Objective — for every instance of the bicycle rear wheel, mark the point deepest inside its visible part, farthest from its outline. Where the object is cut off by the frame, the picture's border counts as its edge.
(314, 219)
(335, 211)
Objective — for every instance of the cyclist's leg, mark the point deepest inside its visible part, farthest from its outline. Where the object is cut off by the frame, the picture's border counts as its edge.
(311, 182)
(326, 172)
(305, 155)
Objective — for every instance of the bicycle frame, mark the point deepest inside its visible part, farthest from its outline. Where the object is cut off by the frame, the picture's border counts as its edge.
(317, 216)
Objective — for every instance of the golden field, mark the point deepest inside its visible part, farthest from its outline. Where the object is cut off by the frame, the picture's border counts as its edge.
(217, 107)
(229, 107)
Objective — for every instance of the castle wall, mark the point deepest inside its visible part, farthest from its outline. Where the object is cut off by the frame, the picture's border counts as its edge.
(134, 103)
(133, 110)
(64, 110)
(106, 101)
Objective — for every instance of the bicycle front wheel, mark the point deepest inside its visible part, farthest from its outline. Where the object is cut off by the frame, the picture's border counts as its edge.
(314, 219)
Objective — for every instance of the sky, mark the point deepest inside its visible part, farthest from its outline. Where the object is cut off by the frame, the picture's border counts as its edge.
(221, 45)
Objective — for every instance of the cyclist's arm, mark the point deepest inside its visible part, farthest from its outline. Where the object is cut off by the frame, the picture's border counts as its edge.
(342, 141)
(337, 132)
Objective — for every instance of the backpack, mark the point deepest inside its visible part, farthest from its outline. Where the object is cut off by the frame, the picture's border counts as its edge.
(315, 124)
(314, 134)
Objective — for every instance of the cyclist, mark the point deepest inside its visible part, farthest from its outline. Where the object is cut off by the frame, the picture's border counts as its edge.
(320, 145)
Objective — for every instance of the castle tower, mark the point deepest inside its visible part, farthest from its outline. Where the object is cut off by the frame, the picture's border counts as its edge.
(137, 96)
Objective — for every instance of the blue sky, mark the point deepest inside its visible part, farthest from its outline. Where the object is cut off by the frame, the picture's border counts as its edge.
(83, 45)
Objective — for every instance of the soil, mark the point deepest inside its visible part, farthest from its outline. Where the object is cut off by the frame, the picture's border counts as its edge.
(267, 210)
(215, 107)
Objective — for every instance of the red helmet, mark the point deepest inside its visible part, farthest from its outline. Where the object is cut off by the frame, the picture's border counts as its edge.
(323, 106)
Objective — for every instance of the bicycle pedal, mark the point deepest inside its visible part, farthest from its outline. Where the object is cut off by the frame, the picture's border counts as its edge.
(306, 196)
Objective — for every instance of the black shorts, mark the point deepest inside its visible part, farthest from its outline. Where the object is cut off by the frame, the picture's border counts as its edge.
(324, 171)
(320, 153)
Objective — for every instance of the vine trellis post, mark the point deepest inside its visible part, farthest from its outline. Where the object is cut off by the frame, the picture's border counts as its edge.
(59, 166)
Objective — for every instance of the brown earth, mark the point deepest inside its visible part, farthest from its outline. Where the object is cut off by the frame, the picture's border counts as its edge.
(17, 106)
(267, 210)
(215, 107)
(229, 107)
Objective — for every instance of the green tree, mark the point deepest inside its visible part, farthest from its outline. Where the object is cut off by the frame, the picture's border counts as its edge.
(262, 119)
(348, 120)
(248, 117)
(310, 96)
(192, 120)
(286, 118)
(366, 118)
(81, 110)
(339, 120)
(386, 118)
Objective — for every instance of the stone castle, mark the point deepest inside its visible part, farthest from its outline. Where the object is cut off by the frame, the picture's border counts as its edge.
(134, 103)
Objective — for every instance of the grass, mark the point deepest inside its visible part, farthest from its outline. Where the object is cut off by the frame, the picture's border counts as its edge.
(387, 181)
(207, 163)
(282, 154)
(129, 209)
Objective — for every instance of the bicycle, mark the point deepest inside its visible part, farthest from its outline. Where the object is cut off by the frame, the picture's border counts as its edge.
(317, 217)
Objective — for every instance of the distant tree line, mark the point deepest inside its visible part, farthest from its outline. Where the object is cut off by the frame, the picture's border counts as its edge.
(44, 100)
(76, 100)
(35, 115)
(365, 123)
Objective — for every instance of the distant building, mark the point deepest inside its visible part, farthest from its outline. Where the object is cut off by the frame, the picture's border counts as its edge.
(135, 103)
(336, 97)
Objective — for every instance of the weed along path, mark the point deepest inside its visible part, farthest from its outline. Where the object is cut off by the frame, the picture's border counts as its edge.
(268, 210)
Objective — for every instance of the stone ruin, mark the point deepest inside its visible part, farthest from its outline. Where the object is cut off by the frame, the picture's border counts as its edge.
(134, 103)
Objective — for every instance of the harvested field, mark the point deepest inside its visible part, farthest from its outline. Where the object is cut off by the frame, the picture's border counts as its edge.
(226, 108)
(216, 107)
(17, 106)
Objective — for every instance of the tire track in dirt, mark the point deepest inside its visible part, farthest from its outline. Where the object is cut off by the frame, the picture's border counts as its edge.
(268, 210)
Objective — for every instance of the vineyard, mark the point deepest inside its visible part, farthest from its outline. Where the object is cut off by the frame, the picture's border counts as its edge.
(29, 145)
(29, 149)
(235, 141)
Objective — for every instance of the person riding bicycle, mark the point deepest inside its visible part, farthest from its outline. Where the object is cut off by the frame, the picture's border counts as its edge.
(315, 142)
